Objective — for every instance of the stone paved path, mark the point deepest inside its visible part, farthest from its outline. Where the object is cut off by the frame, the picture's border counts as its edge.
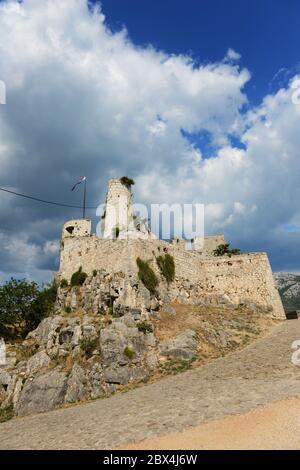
(259, 374)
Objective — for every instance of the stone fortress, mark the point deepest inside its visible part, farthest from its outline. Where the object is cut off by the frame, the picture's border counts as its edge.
(200, 277)
(111, 328)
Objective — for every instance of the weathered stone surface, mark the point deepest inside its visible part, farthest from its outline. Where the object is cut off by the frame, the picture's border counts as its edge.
(5, 378)
(77, 385)
(44, 332)
(39, 361)
(123, 333)
(96, 380)
(183, 346)
(124, 375)
(43, 393)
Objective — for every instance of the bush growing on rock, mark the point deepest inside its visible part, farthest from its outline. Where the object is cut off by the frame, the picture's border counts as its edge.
(167, 266)
(145, 327)
(88, 345)
(23, 305)
(78, 278)
(147, 275)
(64, 283)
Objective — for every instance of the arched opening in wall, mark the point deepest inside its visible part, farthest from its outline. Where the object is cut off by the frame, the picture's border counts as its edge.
(70, 229)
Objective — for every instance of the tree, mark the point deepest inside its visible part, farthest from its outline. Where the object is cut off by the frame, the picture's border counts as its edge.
(224, 249)
(23, 305)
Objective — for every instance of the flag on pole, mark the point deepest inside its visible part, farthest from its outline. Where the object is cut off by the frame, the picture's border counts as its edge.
(83, 178)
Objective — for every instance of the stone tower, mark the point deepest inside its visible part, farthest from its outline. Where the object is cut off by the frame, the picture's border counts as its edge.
(118, 211)
(119, 219)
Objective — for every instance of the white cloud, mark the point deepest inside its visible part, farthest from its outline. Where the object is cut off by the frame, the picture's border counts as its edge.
(232, 55)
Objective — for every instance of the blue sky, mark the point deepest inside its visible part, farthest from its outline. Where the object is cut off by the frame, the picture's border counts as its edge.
(265, 32)
(197, 101)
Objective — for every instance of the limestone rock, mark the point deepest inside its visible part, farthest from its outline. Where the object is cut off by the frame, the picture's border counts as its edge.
(183, 346)
(122, 334)
(124, 375)
(43, 393)
(44, 332)
(77, 385)
(39, 361)
(96, 380)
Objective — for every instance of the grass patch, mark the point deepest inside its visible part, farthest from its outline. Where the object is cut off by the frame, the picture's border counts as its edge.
(174, 366)
(6, 413)
(129, 353)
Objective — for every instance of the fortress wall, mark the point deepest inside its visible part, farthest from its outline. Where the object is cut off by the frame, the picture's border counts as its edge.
(120, 255)
(185, 260)
(92, 253)
(243, 277)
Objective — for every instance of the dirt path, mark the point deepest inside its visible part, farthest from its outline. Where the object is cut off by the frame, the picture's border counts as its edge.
(257, 375)
(270, 427)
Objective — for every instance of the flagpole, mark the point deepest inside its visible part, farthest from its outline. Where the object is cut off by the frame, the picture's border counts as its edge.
(84, 198)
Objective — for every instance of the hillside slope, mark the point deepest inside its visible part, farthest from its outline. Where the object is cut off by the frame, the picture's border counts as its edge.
(289, 288)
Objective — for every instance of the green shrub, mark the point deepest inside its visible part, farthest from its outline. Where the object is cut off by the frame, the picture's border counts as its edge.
(128, 352)
(167, 266)
(68, 309)
(127, 181)
(95, 272)
(88, 345)
(64, 283)
(78, 278)
(145, 327)
(224, 249)
(147, 275)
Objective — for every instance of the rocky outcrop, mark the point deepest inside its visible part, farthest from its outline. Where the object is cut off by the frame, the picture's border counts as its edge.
(78, 358)
(103, 337)
(183, 346)
(288, 285)
(42, 393)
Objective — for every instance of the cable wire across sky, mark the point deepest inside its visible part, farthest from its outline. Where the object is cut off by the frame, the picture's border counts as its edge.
(44, 201)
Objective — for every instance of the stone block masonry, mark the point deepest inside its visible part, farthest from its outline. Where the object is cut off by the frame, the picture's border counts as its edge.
(240, 278)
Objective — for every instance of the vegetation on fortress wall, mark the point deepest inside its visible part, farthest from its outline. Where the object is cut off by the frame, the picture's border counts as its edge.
(167, 266)
(127, 181)
(147, 275)
(224, 249)
(78, 278)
